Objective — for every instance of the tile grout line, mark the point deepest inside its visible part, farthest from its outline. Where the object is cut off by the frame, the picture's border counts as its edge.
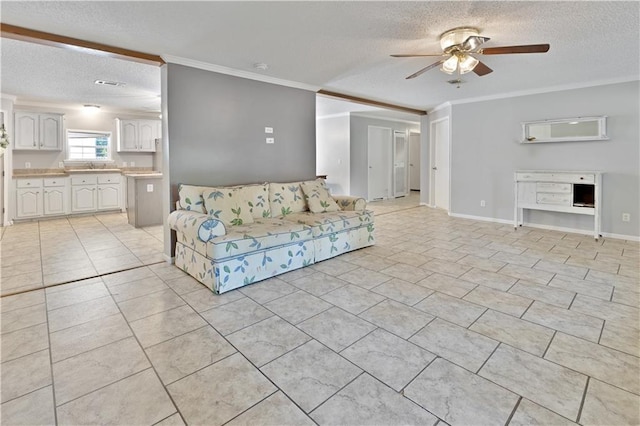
(513, 412)
(584, 397)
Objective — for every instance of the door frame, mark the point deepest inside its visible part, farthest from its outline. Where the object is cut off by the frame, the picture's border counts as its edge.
(389, 163)
(405, 135)
(432, 162)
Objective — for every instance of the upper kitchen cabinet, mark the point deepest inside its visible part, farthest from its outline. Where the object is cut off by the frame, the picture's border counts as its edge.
(38, 131)
(137, 135)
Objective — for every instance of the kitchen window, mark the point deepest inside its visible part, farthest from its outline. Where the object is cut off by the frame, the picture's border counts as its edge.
(88, 146)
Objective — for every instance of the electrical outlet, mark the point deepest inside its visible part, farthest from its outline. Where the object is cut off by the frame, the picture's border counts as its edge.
(271, 140)
(626, 217)
(27, 165)
(61, 165)
(124, 164)
(149, 187)
(133, 164)
(483, 203)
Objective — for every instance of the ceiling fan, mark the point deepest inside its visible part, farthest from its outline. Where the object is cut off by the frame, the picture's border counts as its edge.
(459, 44)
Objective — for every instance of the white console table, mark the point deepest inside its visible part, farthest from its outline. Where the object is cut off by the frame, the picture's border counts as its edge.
(558, 191)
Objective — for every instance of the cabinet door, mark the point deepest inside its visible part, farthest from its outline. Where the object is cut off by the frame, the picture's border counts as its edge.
(29, 202)
(128, 136)
(147, 132)
(51, 132)
(83, 198)
(108, 197)
(26, 130)
(54, 201)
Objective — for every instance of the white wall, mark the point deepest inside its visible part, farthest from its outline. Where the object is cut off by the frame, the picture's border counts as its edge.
(332, 152)
(78, 119)
(486, 151)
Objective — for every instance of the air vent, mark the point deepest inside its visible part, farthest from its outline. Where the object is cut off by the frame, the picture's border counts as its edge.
(110, 83)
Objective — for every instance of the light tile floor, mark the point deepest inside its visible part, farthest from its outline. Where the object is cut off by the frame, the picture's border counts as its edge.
(40, 254)
(444, 320)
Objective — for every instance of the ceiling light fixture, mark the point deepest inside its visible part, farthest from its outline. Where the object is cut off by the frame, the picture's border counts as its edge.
(92, 108)
(110, 83)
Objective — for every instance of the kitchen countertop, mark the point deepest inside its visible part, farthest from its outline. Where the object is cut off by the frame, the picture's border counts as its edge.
(43, 173)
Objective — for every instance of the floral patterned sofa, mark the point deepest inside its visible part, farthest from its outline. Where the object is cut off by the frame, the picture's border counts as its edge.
(228, 237)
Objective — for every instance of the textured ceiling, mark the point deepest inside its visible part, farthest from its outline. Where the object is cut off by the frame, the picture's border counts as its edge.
(345, 46)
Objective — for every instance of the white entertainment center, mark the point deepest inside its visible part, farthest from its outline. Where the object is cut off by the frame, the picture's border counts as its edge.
(576, 192)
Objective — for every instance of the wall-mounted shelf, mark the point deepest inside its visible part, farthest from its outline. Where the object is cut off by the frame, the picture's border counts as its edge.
(565, 130)
(558, 191)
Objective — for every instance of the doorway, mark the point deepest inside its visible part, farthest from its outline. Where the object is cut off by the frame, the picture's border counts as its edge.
(440, 177)
(414, 161)
(379, 166)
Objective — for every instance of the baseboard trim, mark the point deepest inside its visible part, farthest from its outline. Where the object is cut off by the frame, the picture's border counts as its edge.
(548, 227)
(481, 218)
(170, 260)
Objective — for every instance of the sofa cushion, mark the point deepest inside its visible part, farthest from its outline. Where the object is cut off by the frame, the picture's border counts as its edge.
(260, 235)
(328, 223)
(257, 199)
(190, 198)
(318, 198)
(228, 205)
(286, 198)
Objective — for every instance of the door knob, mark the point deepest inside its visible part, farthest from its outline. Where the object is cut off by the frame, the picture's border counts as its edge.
(434, 168)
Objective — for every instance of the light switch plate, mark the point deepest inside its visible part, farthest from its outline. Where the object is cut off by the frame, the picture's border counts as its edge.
(271, 140)
(268, 129)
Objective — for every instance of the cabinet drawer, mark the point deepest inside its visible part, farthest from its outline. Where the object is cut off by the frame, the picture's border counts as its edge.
(553, 198)
(29, 183)
(84, 180)
(112, 178)
(49, 182)
(556, 177)
(553, 187)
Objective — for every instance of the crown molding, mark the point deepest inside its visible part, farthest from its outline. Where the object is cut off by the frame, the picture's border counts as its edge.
(439, 107)
(74, 106)
(338, 115)
(237, 73)
(8, 97)
(550, 89)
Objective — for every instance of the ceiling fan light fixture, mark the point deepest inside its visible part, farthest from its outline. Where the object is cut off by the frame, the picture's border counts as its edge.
(467, 63)
(450, 65)
(456, 36)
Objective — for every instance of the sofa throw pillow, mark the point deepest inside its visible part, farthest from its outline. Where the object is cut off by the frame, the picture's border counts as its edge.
(286, 198)
(190, 197)
(257, 198)
(318, 198)
(227, 205)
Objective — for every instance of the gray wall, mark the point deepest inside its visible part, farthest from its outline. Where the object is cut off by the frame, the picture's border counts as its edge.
(359, 136)
(216, 135)
(486, 152)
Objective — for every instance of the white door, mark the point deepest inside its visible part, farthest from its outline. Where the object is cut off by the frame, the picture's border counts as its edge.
(379, 163)
(414, 161)
(399, 164)
(440, 164)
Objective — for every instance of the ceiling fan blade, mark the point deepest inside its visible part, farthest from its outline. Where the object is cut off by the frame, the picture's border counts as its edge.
(529, 48)
(473, 42)
(411, 55)
(481, 69)
(425, 69)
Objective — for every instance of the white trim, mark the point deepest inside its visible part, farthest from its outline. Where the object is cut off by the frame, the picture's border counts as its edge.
(399, 120)
(8, 97)
(548, 227)
(439, 107)
(237, 73)
(170, 260)
(432, 162)
(559, 88)
(481, 218)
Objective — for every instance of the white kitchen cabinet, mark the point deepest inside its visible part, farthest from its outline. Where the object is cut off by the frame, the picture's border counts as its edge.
(137, 135)
(55, 196)
(38, 131)
(83, 198)
(108, 191)
(29, 202)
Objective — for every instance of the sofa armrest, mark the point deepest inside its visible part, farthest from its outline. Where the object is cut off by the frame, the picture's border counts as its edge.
(196, 225)
(350, 203)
